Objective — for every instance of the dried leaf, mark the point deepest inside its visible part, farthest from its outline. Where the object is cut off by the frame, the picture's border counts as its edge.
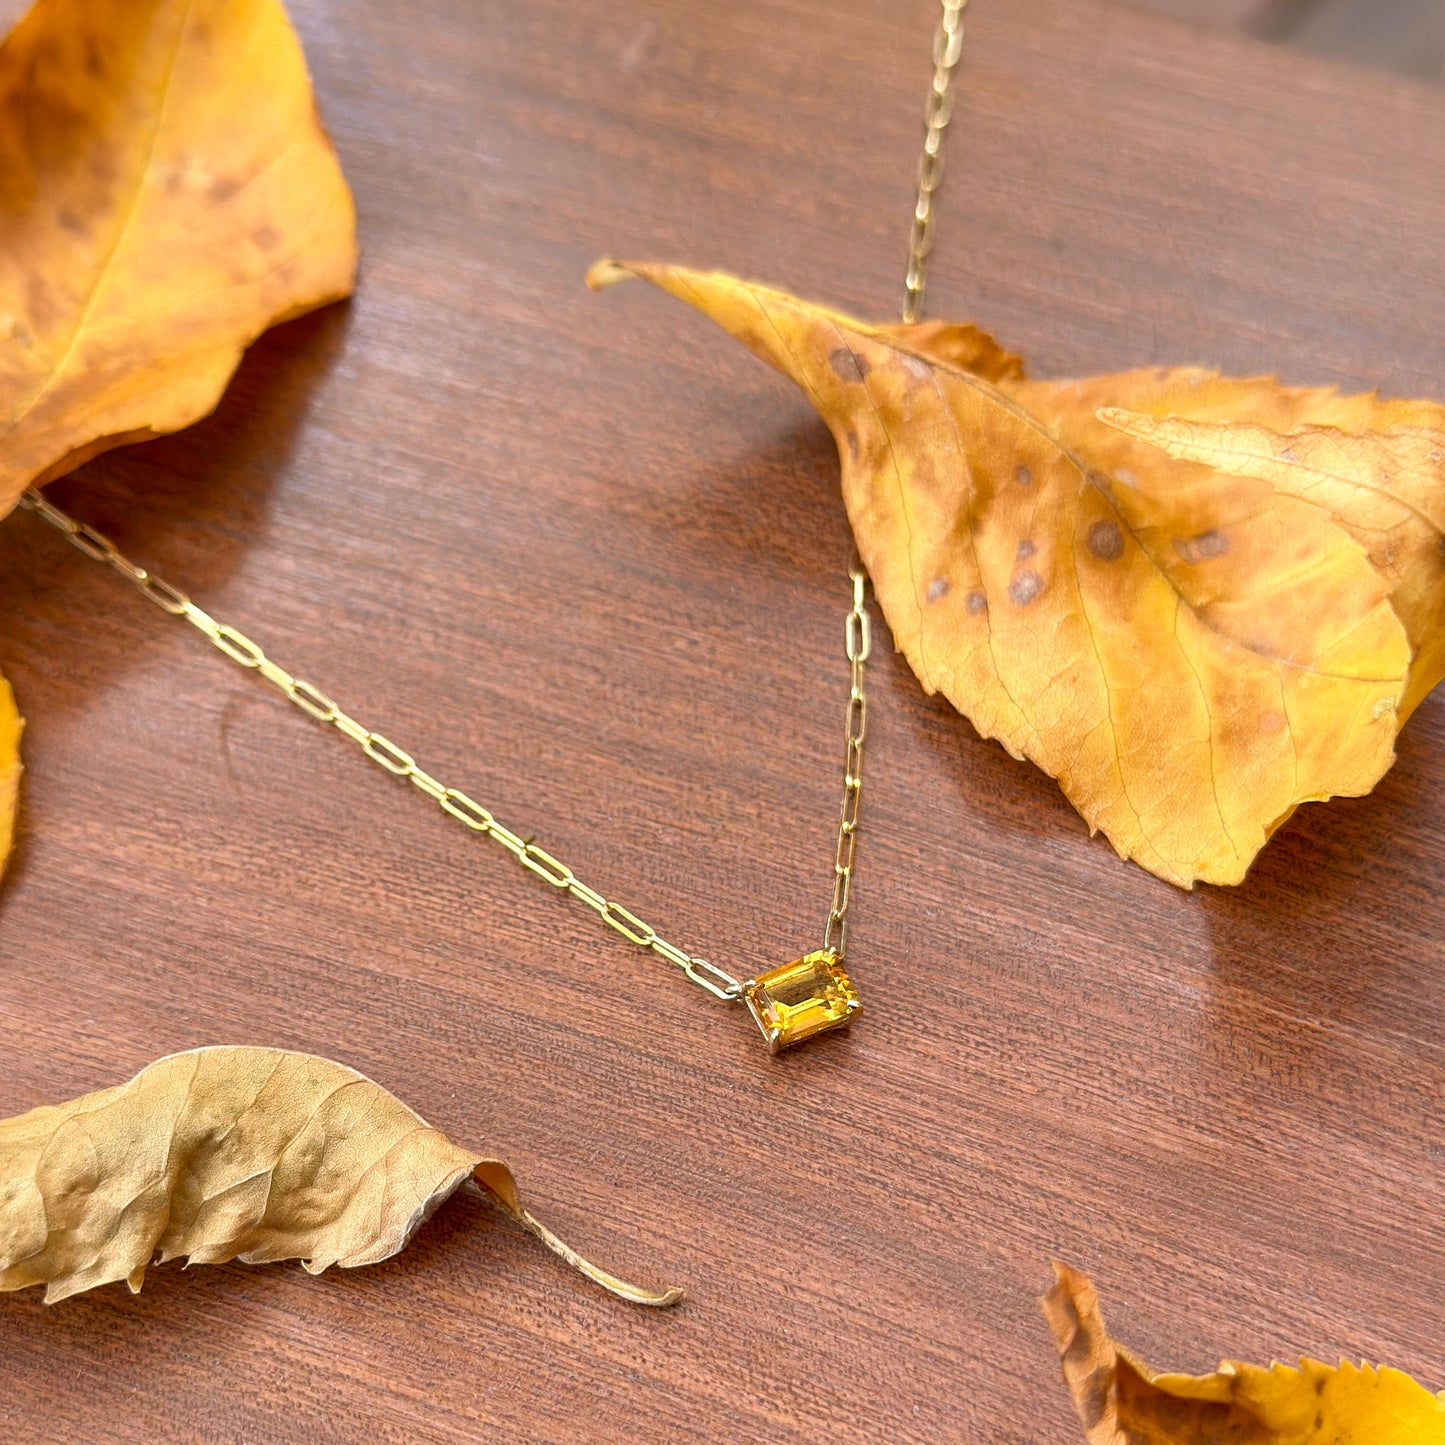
(11, 726)
(1191, 651)
(233, 1153)
(166, 194)
(1121, 1401)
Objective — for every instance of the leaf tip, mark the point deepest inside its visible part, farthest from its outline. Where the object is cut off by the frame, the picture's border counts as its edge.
(607, 272)
(1069, 1285)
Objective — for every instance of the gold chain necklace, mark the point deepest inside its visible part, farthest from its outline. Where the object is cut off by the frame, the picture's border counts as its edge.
(796, 1001)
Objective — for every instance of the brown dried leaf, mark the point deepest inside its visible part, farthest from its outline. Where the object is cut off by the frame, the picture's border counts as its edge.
(1192, 651)
(1121, 1401)
(167, 192)
(233, 1153)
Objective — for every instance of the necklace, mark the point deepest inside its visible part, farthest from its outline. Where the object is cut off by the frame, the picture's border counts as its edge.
(812, 994)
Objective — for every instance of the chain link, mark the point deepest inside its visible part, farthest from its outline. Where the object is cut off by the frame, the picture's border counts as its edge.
(382, 751)
(947, 47)
(858, 642)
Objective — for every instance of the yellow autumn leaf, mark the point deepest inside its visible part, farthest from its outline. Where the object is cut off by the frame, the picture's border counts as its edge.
(167, 192)
(234, 1153)
(1121, 1401)
(1192, 652)
(11, 726)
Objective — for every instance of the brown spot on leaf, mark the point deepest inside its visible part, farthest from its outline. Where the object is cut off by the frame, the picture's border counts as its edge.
(853, 445)
(977, 603)
(1025, 587)
(1026, 550)
(70, 223)
(1106, 541)
(266, 237)
(223, 188)
(1212, 543)
(1025, 476)
(937, 589)
(847, 364)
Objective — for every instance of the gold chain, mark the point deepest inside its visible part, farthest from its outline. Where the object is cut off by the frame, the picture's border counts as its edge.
(314, 703)
(947, 47)
(858, 640)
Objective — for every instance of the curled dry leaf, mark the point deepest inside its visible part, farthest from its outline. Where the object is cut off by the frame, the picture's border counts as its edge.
(1196, 602)
(233, 1153)
(167, 192)
(1121, 1401)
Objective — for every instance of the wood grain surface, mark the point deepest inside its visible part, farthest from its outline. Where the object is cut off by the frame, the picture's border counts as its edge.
(584, 557)
(1407, 36)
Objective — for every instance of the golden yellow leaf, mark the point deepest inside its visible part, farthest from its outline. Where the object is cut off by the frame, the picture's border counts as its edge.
(11, 726)
(1121, 1401)
(167, 192)
(233, 1153)
(1191, 652)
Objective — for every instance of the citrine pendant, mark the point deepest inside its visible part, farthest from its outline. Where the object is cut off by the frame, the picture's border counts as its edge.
(808, 996)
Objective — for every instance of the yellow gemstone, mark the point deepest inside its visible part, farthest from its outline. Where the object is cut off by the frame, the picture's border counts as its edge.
(808, 996)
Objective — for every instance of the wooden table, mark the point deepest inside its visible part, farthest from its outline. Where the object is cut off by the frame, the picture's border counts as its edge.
(584, 556)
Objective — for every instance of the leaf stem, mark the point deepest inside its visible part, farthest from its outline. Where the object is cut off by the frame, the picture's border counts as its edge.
(503, 1195)
(656, 1298)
